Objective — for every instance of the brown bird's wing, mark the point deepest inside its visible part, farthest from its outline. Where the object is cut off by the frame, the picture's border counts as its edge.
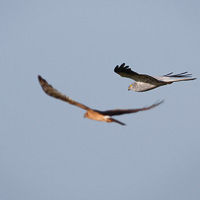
(127, 111)
(125, 71)
(48, 89)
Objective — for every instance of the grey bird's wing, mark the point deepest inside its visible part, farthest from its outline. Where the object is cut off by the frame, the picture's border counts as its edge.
(125, 71)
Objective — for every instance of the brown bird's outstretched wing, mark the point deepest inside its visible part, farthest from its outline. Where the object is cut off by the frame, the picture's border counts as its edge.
(128, 111)
(48, 89)
(125, 71)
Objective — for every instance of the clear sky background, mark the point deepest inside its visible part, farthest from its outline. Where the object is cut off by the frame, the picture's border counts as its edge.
(48, 150)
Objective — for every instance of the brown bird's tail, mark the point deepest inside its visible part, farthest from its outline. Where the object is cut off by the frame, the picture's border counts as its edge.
(114, 120)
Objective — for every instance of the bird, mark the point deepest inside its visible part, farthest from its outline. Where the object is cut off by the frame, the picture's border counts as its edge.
(145, 82)
(92, 114)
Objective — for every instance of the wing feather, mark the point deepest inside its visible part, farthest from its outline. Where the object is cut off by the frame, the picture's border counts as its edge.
(125, 71)
(49, 90)
(170, 78)
(128, 111)
(180, 75)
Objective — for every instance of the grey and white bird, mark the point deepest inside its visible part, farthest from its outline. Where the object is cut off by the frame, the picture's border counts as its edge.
(145, 82)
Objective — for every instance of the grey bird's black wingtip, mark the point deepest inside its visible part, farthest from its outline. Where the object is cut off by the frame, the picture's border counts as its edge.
(123, 68)
(119, 67)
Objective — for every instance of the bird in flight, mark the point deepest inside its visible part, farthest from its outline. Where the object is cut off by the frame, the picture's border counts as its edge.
(90, 113)
(145, 82)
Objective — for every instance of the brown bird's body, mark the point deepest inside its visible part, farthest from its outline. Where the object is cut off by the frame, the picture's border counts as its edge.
(96, 115)
(90, 113)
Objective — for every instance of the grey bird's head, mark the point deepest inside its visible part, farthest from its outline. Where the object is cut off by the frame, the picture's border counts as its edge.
(132, 86)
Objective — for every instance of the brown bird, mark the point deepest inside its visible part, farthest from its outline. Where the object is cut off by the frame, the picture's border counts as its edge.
(91, 113)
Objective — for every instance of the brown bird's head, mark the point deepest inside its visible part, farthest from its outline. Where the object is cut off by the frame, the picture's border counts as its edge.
(86, 115)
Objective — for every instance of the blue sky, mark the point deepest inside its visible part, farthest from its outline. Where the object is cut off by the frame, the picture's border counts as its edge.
(48, 150)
